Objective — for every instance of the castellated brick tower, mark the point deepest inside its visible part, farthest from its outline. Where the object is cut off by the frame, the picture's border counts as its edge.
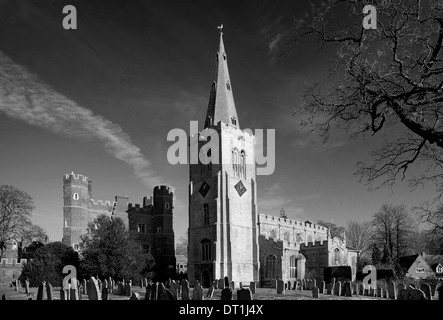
(76, 196)
(164, 231)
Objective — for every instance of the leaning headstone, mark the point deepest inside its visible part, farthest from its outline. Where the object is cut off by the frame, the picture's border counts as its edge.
(134, 296)
(210, 292)
(315, 291)
(226, 294)
(280, 287)
(244, 294)
(174, 288)
(197, 294)
(337, 289)
(93, 292)
(49, 291)
(322, 287)
(252, 286)
(41, 293)
(226, 283)
(347, 289)
(426, 288)
(185, 289)
(392, 290)
(221, 283)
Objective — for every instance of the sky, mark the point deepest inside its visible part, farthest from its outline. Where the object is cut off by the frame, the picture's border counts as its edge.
(101, 99)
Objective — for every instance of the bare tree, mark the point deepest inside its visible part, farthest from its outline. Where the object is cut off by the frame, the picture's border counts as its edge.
(393, 228)
(182, 246)
(359, 236)
(383, 81)
(15, 210)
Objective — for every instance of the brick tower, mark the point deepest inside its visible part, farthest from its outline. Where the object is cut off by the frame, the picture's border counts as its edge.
(223, 233)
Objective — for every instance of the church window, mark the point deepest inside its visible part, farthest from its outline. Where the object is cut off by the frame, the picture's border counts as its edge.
(286, 236)
(167, 205)
(141, 228)
(270, 266)
(228, 85)
(439, 269)
(293, 266)
(67, 223)
(206, 250)
(337, 256)
(224, 56)
(310, 238)
(273, 234)
(234, 121)
(75, 196)
(243, 164)
(159, 230)
(206, 213)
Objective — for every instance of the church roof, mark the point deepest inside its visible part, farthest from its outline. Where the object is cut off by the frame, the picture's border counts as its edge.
(221, 106)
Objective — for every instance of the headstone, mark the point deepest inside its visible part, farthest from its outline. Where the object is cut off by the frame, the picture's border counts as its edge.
(226, 285)
(167, 294)
(105, 294)
(347, 289)
(134, 296)
(142, 283)
(252, 286)
(410, 293)
(221, 283)
(215, 284)
(315, 292)
(329, 289)
(73, 294)
(174, 288)
(379, 292)
(426, 288)
(85, 286)
(355, 288)
(3, 297)
(64, 294)
(111, 285)
(303, 284)
(337, 289)
(128, 289)
(49, 291)
(392, 290)
(148, 291)
(185, 289)
(232, 284)
(197, 293)
(17, 285)
(105, 284)
(280, 287)
(322, 287)
(41, 293)
(27, 286)
(361, 290)
(314, 283)
(210, 292)
(400, 286)
(244, 294)
(226, 294)
(93, 292)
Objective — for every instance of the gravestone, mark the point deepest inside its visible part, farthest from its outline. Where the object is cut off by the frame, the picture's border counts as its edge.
(226, 294)
(400, 286)
(3, 297)
(252, 286)
(314, 283)
(185, 289)
(148, 291)
(215, 284)
(128, 289)
(347, 289)
(410, 293)
(17, 285)
(361, 288)
(27, 286)
(105, 294)
(392, 290)
(73, 294)
(64, 294)
(322, 287)
(105, 284)
(85, 286)
(337, 288)
(210, 292)
(167, 294)
(355, 288)
(289, 285)
(49, 291)
(329, 289)
(232, 285)
(42, 293)
(93, 292)
(221, 283)
(315, 292)
(174, 288)
(134, 296)
(226, 285)
(303, 284)
(244, 294)
(426, 288)
(379, 292)
(197, 293)
(280, 287)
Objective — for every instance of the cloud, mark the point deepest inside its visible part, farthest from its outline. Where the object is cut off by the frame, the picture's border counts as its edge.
(25, 97)
(273, 44)
(274, 199)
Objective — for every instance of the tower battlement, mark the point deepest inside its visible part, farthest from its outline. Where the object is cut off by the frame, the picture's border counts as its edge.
(78, 177)
(314, 244)
(102, 203)
(164, 189)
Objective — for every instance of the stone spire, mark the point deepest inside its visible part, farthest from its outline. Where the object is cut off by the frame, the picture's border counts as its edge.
(221, 105)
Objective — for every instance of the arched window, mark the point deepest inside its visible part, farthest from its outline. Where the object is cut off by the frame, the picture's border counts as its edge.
(310, 238)
(243, 164)
(293, 266)
(337, 256)
(273, 234)
(210, 163)
(270, 266)
(206, 213)
(286, 236)
(235, 164)
(206, 250)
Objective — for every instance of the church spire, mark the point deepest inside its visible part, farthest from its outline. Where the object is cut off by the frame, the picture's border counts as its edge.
(221, 105)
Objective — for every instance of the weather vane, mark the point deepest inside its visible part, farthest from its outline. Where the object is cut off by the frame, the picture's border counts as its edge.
(220, 27)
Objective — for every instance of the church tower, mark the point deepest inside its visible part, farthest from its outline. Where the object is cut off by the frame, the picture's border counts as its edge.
(223, 231)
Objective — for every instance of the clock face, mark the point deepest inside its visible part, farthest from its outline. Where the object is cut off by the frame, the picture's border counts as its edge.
(240, 187)
(204, 189)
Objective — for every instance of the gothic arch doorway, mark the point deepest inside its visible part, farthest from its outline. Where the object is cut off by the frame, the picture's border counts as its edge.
(206, 279)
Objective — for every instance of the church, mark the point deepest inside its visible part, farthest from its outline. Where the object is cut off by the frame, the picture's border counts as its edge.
(227, 235)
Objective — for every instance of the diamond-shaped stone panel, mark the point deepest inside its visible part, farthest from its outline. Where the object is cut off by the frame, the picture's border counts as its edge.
(204, 189)
(240, 187)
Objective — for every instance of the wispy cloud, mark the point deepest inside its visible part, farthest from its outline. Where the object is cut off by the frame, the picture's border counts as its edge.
(25, 97)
